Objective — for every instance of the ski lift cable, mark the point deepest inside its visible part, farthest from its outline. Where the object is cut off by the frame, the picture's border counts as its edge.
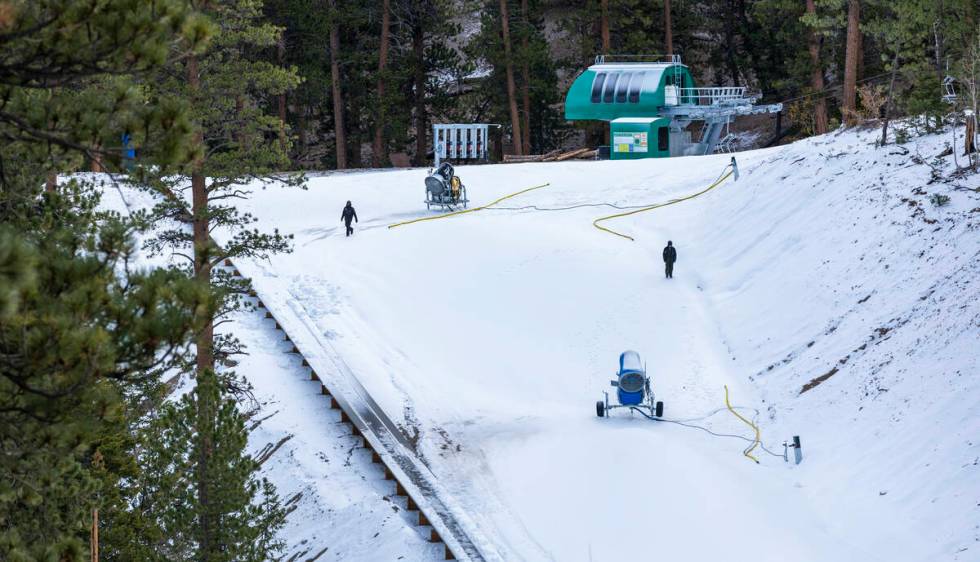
(835, 87)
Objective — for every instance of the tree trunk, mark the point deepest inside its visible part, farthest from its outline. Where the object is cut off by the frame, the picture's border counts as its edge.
(971, 132)
(888, 102)
(301, 130)
(730, 42)
(515, 118)
(421, 121)
(668, 33)
(240, 126)
(851, 56)
(604, 25)
(51, 185)
(204, 338)
(340, 132)
(281, 55)
(96, 164)
(379, 156)
(526, 78)
(820, 124)
(95, 535)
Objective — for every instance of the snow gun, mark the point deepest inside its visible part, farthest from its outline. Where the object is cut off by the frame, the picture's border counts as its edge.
(632, 389)
(443, 188)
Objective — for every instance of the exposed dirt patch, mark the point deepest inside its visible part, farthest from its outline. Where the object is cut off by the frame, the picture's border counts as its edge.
(815, 382)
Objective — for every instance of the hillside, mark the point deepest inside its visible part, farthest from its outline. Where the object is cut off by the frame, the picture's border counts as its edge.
(823, 288)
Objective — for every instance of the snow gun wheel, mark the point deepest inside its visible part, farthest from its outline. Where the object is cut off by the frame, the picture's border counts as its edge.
(660, 409)
(600, 409)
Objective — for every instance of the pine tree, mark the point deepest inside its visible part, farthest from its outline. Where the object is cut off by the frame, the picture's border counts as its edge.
(81, 335)
(816, 75)
(515, 119)
(380, 146)
(852, 54)
(228, 88)
(242, 513)
(60, 405)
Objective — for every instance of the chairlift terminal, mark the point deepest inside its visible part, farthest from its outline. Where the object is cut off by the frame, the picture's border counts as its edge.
(651, 104)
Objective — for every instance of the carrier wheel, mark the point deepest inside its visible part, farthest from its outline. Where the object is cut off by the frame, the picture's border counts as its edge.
(600, 409)
(660, 409)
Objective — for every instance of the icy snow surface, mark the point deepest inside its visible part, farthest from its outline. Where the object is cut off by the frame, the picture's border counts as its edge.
(490, 336)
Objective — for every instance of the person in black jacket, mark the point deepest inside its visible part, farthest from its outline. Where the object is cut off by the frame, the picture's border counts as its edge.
(349, 214)
(670, 256)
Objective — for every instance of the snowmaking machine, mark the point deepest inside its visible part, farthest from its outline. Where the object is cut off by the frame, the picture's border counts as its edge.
(632, 389)
(443, 188)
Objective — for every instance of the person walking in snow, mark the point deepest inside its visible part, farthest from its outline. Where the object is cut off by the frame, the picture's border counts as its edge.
(349, 214)
(670, 256)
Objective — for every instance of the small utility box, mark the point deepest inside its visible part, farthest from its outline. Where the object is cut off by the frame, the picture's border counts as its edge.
(631, 138)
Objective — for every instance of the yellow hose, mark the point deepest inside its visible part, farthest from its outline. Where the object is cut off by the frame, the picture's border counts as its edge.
(463, 212)
(747, 452)
(596, 222)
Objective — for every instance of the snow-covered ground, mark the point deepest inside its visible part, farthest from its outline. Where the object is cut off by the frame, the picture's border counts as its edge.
(490, 336)
(340, 506)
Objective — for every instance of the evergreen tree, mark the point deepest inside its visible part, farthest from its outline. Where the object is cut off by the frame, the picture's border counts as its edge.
(81, 333)
(546, 129)
(242, 514)
(229, 87)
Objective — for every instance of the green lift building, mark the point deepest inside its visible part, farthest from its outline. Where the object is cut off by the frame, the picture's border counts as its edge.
(651, 105)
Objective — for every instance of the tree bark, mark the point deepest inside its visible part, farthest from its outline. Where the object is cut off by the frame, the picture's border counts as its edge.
(526, 78)
(204, 338)
(730, 42)
(281, 55)
(820, 123)
(301, 130)
(96, 164)
(668, 33)
(51, 185)
(888, 102)
(851, 56)
(971, 132)
(379, 155)
(515, 118)
(340, 132)
(421, 121)
(604, 25)
(95, 535)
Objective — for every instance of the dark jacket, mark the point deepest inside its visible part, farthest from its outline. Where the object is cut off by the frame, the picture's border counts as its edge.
(349, 214)
(670, 254)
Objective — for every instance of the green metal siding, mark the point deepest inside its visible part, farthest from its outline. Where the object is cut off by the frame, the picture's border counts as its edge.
(579, 104)
(638, 140)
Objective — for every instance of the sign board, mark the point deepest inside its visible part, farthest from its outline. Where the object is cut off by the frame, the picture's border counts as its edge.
(630, 142)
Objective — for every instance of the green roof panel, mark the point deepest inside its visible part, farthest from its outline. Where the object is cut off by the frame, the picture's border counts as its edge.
(613, 90)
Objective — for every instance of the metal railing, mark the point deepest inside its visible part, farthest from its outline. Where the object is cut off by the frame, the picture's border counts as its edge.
(720, 95)
(671, 59)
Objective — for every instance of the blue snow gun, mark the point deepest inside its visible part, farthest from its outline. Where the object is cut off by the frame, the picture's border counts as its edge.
(632, 389)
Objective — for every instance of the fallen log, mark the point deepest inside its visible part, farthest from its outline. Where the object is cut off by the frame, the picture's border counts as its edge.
(550, 157)
(572, 154)
(513, 158)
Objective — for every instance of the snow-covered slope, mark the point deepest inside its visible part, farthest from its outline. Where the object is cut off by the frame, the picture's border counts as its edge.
(340, 506)
(490, 336)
